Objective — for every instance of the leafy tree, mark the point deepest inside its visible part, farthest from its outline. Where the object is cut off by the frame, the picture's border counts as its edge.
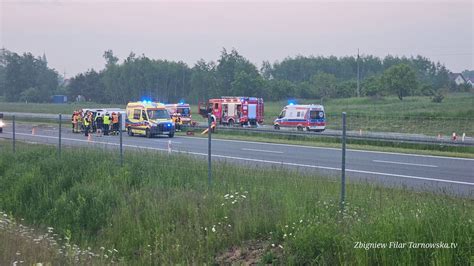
(247, 84)
(229, 66)
(280, 89)
(323, 85)
(88, 85)
(30, 95)
(110, 58)
(372, 86)
(24, 72)
(203, 81)
(400, 80)
(346, 89)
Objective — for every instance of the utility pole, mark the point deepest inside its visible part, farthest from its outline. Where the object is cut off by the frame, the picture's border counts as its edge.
(358, 74)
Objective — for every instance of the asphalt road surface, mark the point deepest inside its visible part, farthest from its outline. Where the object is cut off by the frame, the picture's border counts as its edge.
(418, 172)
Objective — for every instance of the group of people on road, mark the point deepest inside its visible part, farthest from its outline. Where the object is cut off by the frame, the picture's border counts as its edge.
(89, 122)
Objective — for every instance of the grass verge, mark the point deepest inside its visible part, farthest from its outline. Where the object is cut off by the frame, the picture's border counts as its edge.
(159, 209)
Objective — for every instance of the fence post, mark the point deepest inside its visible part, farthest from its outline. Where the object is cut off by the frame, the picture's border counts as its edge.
(343, 167)
(14, 140)
(209, 129)
(121, 143)
(59, 142)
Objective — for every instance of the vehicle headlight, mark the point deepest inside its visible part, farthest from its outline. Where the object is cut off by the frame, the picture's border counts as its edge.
(1, 123)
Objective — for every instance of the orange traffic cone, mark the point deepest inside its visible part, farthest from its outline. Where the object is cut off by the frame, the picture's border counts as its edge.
(33, 131)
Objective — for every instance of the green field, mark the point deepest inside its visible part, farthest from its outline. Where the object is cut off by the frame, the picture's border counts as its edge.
(412, 115)
(159, 209)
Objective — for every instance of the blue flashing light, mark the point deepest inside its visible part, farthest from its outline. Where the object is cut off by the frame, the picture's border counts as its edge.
(146, 100)
(291, 102)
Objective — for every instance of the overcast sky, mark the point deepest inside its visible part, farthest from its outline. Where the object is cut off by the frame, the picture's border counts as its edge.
(75, 33)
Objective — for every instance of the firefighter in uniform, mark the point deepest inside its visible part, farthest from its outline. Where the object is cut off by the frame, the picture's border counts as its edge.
(73, 118)
(115, 123)
(74, 122)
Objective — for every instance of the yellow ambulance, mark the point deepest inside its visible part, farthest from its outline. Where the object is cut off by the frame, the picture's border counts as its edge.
(149, 119)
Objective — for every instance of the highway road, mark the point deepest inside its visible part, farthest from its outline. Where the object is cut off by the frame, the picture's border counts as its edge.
(420, 172)
(268, 129)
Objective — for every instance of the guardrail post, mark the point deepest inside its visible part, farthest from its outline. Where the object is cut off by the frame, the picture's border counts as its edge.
(14, 140)
(209, 169)
(121, 142)
(59, 138)
(343, 167)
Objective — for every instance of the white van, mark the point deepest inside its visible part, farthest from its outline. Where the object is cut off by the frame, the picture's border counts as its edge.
(310, 117)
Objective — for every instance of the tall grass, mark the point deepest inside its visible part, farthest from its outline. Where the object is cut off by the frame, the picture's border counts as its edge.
(159, 209)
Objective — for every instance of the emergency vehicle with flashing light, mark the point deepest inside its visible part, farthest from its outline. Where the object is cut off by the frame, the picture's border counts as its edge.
(229, 110)
(310, 117)
(149, 119)
(183, 109)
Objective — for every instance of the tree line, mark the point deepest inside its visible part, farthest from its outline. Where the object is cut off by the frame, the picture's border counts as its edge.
(28, 78)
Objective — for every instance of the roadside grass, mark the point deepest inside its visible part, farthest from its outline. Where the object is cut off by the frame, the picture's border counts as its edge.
(159, 209)
(330, 142)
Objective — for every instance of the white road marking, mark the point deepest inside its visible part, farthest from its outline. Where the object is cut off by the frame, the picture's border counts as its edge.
(245, 149)
(335, 149)
(166, 141)
(413, 164)
(266, 161)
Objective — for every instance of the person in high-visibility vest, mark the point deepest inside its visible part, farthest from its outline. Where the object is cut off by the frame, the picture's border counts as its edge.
(178, 122)
(106, 124)
(87, 124)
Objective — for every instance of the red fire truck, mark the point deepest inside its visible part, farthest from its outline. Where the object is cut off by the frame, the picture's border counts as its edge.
(234, 110)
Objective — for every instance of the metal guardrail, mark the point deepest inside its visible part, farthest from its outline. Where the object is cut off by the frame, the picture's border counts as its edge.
(367, 136)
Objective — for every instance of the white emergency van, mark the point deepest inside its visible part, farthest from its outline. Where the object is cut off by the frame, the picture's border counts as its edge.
(310, 117)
